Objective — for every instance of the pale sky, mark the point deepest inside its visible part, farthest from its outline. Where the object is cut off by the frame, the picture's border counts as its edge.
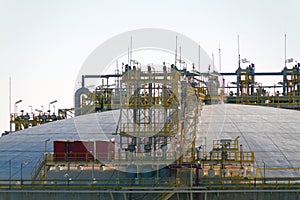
(43, 43)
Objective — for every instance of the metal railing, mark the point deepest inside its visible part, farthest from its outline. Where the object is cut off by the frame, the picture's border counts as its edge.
(215, 183)
(111, 157)
(38, 167)
(237, 157)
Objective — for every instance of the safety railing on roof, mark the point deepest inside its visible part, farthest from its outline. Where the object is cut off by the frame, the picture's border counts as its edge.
(111, 157)
(215, 183)
(238, 156)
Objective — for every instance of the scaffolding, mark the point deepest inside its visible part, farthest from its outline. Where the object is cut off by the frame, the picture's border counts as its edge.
(159, 113)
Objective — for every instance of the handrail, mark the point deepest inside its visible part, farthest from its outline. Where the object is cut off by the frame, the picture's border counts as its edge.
(37, 168)
(238, 183)
(110, 156)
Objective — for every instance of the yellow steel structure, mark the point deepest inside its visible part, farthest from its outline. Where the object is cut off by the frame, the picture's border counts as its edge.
(159, 113)
(227, 159)
(23, 121)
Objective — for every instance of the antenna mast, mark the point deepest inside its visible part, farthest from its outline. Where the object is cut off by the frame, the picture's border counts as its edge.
(180, 56)
(238, 38)
(128, 56)
(285, 50)
(176, 52)
(10, 125)
(130, 50)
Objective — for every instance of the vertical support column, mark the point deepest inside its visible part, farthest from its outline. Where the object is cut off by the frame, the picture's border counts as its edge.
(284, 81)
(238, 74)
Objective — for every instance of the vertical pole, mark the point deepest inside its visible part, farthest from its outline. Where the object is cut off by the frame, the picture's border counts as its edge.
(264, 172)
(285, 50)
(223, 89)
(82, 81)
(239, 56)
(47, 140)
(128, 57)
(93, 169)
(176, 52)
(180, 55)
(130, 50)
(10, 123)
(9, 163)
(241, 155)
(219, 58)
(21, 173)
(197, 174)
(191, 176)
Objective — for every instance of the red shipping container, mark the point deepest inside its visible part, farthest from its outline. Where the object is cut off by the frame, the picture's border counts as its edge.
(70, 154)
(60, 150)
(63, 150)
(83, 150)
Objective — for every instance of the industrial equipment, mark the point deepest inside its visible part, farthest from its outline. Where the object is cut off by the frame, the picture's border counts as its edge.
(248, 91)
(20, 121)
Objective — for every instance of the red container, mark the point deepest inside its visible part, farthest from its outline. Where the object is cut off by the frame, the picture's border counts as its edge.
(84, 150)
(60, 150)
(70, 154)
